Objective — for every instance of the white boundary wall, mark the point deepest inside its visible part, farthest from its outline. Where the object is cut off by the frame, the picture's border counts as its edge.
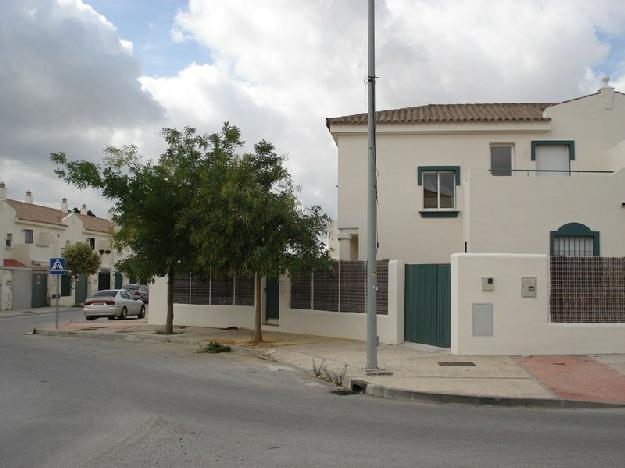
(314, 322)
(520, 325)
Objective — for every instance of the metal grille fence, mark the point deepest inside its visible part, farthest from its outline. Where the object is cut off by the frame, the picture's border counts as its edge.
(587, 290)
(342, 288)
(218, 290)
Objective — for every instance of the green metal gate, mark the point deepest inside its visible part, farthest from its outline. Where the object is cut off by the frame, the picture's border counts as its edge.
(81, 289)
(427, 304)
(40, 290)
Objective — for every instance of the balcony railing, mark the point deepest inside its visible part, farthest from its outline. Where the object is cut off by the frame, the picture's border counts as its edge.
(542, 172)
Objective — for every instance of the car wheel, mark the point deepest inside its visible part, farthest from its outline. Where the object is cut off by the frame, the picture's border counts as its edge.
(142, 312)
(124, 313)
(90, 318)
(110, 318)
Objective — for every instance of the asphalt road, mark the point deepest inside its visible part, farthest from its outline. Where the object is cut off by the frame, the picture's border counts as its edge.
(69, 402)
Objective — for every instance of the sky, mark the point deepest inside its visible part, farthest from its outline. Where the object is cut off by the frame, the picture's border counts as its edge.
(79, 75)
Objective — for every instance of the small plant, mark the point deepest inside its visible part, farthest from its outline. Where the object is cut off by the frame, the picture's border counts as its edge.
(214, 347)
(336, 377)
(319, 369)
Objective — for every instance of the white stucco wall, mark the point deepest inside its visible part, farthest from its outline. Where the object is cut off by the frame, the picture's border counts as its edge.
(516, 214)
(314, 322)
(520, 325)
(403, 233)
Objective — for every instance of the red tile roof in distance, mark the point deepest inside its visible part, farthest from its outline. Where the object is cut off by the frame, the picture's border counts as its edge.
(9, 262)
(46, 215)
(451, 113)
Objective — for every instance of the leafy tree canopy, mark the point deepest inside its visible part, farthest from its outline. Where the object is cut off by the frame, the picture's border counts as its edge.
(82, 259)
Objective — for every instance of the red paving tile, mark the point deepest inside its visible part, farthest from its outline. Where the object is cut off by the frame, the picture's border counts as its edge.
(577, 377)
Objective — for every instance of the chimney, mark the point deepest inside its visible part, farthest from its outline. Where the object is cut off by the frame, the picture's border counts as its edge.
(607, 93)
(110, 213)
(64, 207)
(3, 191)
(83, 209)
(29, 197)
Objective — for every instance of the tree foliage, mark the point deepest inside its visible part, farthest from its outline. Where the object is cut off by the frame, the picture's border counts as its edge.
(256, 223)
(204, 206)
(81, 259)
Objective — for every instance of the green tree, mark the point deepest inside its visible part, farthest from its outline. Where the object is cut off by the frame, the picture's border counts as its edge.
(256, 223)
(151, 200)
(81, 259)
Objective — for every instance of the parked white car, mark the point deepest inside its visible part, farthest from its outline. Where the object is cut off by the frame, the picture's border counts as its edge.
(113, 303)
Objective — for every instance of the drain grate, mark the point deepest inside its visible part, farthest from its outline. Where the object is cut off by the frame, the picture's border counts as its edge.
(456, 364)
(344, 392)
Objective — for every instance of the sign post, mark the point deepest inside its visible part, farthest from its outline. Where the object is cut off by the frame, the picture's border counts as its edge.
(57, 268)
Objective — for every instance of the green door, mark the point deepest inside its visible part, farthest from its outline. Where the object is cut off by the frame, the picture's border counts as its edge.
(272, 290)
(118, 280)
(104, 280)
(81, 289)
(427, 304)
(40, 290)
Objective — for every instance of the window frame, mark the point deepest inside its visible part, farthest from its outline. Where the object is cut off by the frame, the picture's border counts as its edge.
(26, 237)
(438, 191)
(575, 230)
(91, 241)
(8, 240)
(512, 158)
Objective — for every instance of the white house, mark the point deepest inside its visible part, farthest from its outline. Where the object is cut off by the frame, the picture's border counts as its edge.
(474, 203)
(32, 234)
(486, 178)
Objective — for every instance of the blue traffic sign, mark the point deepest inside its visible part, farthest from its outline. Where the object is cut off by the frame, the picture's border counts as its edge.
(57, 266)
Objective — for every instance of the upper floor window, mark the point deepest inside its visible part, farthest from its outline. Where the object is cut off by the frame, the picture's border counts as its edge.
(439, 190)
(553, 157)
(91, 242)
(501, 156)
(9, 240)
(28, 236)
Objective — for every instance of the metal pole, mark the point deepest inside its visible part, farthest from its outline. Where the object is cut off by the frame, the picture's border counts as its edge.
(372, 248)
(58, 293)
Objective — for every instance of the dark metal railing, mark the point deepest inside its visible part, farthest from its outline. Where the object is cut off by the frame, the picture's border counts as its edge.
(504, 172)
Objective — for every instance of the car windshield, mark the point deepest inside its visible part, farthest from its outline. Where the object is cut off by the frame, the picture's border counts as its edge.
(105, 293)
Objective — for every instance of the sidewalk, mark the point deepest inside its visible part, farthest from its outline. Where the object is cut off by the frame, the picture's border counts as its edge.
(34, 311)
(417, 373)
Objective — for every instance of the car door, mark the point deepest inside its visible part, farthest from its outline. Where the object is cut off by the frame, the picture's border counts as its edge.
(131, 304)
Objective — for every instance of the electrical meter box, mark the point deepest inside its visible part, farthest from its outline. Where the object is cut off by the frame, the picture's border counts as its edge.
(488, 283)
(528, 286)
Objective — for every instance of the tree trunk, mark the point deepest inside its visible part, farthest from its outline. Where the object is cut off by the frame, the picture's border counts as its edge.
(169, 323)
(258, 316)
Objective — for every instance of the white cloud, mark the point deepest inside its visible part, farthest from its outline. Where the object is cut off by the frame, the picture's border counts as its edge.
(69, 83)
(281, 67)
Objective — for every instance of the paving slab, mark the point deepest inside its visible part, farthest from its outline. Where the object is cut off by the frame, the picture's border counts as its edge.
(578, 377)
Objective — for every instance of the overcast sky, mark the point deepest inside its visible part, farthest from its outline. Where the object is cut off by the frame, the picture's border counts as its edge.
(76, 76)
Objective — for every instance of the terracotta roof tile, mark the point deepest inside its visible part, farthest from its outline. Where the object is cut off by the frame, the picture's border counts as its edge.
(37, 213)
(451, 113)
(46, 215)
(96, 224)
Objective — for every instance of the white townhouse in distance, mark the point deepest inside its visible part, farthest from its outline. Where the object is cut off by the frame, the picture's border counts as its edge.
(507, 177)
(32, 234)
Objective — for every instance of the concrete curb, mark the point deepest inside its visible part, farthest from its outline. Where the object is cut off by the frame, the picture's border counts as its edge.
(477, 400)
(375, 390)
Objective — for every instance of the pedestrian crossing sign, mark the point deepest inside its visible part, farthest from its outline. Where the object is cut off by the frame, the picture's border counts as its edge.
(57, 266)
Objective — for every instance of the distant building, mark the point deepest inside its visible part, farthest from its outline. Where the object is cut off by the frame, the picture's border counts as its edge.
(32, 234)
